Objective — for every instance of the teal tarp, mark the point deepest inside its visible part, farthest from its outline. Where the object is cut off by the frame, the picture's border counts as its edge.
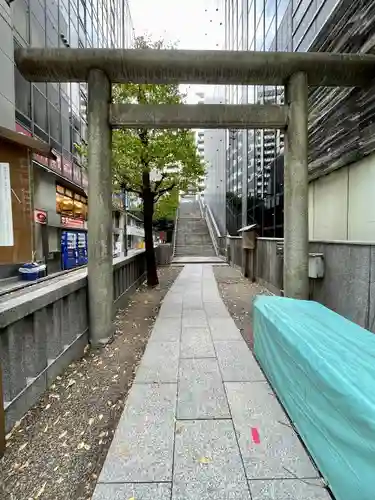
(322, 367)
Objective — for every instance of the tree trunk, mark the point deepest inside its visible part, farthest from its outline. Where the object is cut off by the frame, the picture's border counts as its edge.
(148, 212)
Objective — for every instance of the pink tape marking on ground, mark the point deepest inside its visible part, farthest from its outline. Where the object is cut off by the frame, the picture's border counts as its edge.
(255, 435)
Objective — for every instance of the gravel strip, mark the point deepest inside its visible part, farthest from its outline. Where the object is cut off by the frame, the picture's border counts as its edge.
(57, 451)
(238, 294)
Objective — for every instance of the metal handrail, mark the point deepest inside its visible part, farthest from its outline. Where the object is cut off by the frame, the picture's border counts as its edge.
(175, 234)
(203, 208)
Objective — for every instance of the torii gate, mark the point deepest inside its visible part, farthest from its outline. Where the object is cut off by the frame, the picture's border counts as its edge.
(101, 67)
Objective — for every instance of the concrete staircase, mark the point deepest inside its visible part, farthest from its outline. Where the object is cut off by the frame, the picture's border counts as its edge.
(193, 237)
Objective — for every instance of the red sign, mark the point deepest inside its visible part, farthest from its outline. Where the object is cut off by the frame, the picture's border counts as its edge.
(85, 180)
(41, 159)
(70, 222)
(40, 216)
(67, 168)
(56, 164)
(24, 131)
(77, 178)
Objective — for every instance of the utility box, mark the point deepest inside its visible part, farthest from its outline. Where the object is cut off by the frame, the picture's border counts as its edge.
(316, 265)
(248, 237)
(248, 250)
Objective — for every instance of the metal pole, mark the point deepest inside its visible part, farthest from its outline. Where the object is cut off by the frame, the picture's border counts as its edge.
(296, 242)
(100, 273)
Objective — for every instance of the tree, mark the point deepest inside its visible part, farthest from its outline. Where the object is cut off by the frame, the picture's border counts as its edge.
(154, 164)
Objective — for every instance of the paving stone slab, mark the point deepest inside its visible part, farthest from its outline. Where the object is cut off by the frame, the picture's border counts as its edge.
(166, 330)
(224, 329)
(159, 363)
(237, 364)
(142, 448)
(171, 311)
(200, 391)
(194, 320)
(196, 343)
(211, 490)
(149, 491)
(279, 452)
(206, 453)
(288, 489)
(216, 310)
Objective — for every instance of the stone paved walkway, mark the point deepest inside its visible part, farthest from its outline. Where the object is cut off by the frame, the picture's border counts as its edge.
(201, 422)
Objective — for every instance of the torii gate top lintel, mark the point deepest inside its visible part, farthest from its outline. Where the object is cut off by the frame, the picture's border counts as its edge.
(101, 67)
(195, 66)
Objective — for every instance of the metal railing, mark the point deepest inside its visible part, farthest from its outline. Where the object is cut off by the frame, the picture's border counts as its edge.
(218, 240)
(174, 242)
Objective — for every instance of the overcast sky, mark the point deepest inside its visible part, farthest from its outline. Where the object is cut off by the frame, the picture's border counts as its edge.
(192, 24)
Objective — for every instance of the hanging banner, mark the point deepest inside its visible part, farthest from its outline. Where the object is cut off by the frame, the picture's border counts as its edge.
(6, 219)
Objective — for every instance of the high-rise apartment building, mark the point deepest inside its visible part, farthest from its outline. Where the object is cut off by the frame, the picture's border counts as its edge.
(56, 112)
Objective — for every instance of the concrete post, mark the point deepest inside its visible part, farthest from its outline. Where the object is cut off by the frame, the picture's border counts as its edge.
(100, 277)
(296, 243)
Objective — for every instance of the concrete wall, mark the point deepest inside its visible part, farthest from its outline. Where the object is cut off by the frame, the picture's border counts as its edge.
(7, 97)
(348, 286)
(44, 330)
(340, 204)
(214, 156)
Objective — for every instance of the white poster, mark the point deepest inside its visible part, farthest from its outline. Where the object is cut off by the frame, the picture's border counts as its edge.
(6, 219)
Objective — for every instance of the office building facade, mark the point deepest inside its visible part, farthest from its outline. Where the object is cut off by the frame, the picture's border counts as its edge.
(56, 112)
(341, 135)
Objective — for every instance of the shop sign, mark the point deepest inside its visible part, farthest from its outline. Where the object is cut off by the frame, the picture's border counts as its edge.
(55, 165)
(85, 180)
(67, 168)
(6, 219)
(21, 130)
(77, 174)
(41, 159)
(40, 216)
(71, 222)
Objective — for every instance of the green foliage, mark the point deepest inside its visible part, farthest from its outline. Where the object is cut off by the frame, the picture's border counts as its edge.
(167, 206)
(169, 156)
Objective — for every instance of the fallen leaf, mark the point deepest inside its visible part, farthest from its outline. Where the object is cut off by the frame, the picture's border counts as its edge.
(46, 428)
(41, 491)
(100, 417)
(91, 421)
(205, 460)
(71, 382)
(22, 447)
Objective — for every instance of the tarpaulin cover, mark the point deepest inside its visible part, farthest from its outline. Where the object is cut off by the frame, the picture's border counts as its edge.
(322, 368)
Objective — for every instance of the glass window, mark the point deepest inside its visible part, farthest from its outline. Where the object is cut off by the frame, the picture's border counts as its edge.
(40, 109)
(303, 7)
(53, 94)
(259, 9)
(22, 93)
(270, 9)
(21, 19)
(52, 34)
(259, 37)
(38, 34)
(281, 9)
(38, 9)
(54, 123)
(66, 134)
(270, 34)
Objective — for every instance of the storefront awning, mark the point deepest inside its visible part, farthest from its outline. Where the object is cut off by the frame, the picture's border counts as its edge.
(35, 145)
